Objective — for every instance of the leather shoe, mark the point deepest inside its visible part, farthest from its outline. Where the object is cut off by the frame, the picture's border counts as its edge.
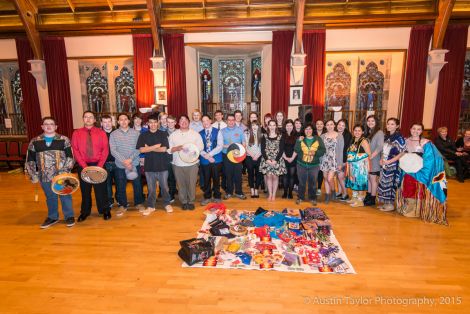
(82, 218)
(107, 215)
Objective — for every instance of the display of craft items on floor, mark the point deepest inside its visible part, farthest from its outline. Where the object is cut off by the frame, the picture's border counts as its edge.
(295, 240)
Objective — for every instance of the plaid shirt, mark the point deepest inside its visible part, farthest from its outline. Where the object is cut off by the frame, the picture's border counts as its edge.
(44, 162)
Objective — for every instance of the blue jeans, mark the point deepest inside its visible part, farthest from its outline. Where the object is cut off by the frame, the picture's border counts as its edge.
(52, 201)
(162, 178)
(111, 169)
(307, 176)
(121, 187)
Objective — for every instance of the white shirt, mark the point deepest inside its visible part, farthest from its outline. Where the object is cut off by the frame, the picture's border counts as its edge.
(180, 138)
(222, 124)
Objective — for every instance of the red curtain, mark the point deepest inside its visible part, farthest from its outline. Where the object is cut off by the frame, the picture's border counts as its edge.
(143, 76)
(175, 74)
(449, 89)
(415, 84)
(31, 107)
(314, 74)
(58, 85)
(280, 72)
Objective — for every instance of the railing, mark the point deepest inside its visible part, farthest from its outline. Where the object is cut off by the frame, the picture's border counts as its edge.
(12, 124)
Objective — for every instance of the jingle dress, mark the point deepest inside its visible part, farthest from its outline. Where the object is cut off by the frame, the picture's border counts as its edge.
(358, 166)
(390, 175)
(426, 190)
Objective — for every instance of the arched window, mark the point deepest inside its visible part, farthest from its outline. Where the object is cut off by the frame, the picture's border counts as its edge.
(371, 87)
(125, 91)
(338, 88)
(97, 91)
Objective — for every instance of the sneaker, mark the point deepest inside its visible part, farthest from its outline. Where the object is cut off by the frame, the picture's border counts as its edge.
(241, 196)
(70, 221)
(357, 203)
(217, 200)
(314, 202)
(338, 196)
(169, 208)
(352, 200)
(344, 198)
(319, 192)
(148, 211)
(227, 196)
(190, 207)
(121, 210)
(298, 201)
(205, 201)
(172, 200)
(49, 222)
(140, 207)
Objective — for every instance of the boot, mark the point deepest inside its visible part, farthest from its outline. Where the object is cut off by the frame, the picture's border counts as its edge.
(366, 199)
(285, 194)
(369, 201)
(289, 194)
(327, 198)
(411, 210)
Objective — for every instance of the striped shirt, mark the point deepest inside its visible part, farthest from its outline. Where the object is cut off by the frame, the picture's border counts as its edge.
(123, 146)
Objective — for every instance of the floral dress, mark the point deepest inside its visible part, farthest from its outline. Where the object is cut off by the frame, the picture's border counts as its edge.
(328, 161)
(272, 149)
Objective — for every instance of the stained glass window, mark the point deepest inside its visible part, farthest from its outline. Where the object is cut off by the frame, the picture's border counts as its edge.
(464, 119)
(97, 91)
(125, 91)
(256, 79)
(232, 82)
(205, 71)
(17, 93)
(371, 87)
(338, 87)
(3, 100)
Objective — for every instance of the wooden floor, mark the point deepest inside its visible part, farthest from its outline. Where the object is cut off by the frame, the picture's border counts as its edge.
(130, 265)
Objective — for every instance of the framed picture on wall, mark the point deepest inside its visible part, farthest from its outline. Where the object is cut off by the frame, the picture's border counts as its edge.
(295, 95)
(161, 96)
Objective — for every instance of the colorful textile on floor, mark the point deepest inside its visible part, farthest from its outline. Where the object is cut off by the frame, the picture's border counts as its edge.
(303, 242)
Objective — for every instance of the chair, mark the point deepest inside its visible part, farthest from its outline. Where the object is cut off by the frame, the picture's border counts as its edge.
(3, 151)
(24, 149)
(14, 153)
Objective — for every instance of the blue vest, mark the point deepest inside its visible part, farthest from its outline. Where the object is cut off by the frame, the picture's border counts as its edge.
(214, 134)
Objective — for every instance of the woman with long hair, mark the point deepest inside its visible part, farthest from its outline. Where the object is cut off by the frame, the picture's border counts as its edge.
(376, 139)
(272, 164)
(342, 128)
(319, 130)
(390, 174)
(309, 150)
(280, 119)
(423, 193)
(290, 137)
(298, 127)
(253, 157)
(333, 158)
(267, 117)
(358, 165)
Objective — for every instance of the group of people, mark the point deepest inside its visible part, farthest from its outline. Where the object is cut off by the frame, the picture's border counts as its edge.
(279, 153)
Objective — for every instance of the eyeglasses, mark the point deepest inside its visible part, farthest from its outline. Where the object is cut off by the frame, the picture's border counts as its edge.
(48, 124)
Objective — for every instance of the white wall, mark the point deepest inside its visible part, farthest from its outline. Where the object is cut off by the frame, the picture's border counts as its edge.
(367, 38)
(93, 46)
(8, 49)
(226, 37)
(192, 78)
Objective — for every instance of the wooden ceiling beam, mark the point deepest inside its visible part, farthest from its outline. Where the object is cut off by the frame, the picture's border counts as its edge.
(28, 11)
(299, 25)
(110, 4)
(71, 5)
(442, 20)
(153, 7)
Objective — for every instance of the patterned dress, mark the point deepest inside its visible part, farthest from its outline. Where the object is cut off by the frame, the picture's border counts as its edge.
(273, 151)
(390, 175)
(358, 167)
(328, 161)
